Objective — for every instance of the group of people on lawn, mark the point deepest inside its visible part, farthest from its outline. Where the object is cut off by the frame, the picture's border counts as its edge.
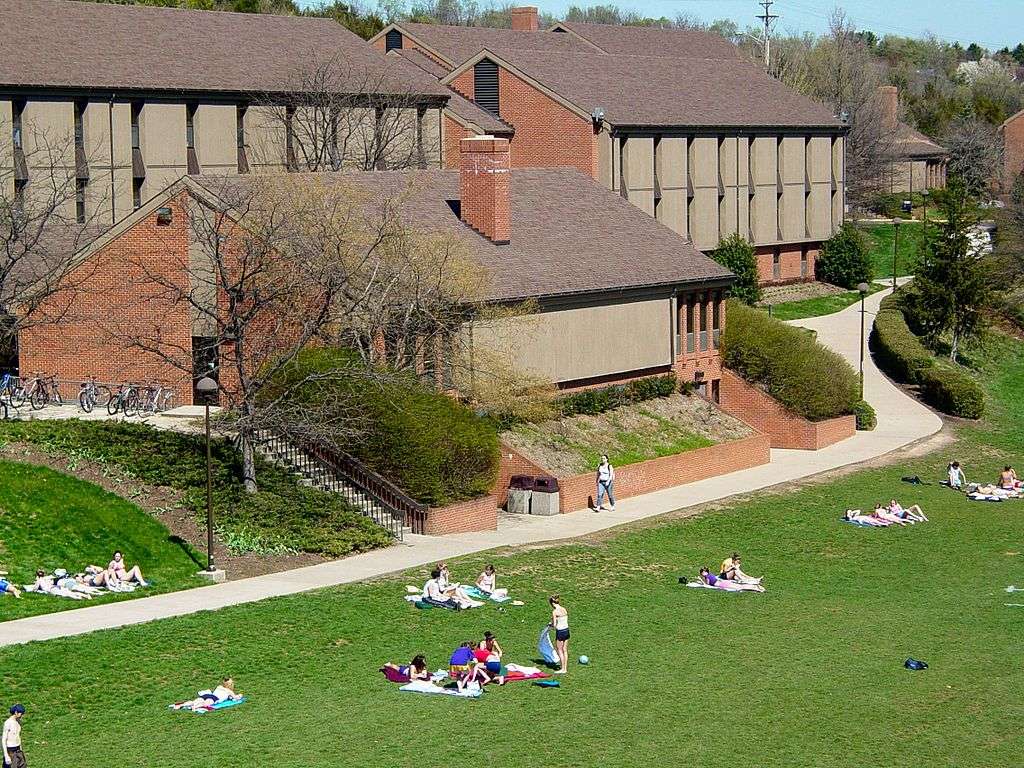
(731, 577)
(83, 585)
(884, 515)
(441, 592)
(1007, 480)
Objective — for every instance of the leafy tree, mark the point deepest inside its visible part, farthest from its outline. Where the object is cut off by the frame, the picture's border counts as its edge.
(975, 52)
(844, 259)
(737, 254)
(951, 290)
(1018, 53)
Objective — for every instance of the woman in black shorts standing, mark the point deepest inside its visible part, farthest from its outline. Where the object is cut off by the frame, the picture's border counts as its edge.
(560, 621)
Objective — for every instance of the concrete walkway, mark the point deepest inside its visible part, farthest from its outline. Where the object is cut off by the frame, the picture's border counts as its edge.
(902, 420)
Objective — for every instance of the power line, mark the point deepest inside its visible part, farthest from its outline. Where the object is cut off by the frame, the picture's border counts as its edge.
(768, 19)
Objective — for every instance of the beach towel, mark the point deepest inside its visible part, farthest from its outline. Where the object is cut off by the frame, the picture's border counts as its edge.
(498, 596)
(180, 706)
(545, 647)
(511, 677)
(983, 497)
(859, 524)
(393, 675)
(422, 686)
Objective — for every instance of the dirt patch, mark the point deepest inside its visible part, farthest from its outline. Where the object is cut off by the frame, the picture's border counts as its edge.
(780, 294)
(165, 505)
(632, 433)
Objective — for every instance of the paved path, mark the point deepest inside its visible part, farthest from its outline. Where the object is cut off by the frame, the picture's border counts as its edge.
(902, 420)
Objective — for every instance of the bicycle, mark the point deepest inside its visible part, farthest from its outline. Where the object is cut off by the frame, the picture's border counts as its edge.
(90, 395)
(50, 391)
(11, 390)
(126, 400)
(32, 392)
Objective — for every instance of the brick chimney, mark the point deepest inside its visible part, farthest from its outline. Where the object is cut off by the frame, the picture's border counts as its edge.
(484, 180)
(889, 98)
(524, 19)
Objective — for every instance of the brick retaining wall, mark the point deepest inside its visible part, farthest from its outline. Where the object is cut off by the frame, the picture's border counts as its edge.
(465, 516)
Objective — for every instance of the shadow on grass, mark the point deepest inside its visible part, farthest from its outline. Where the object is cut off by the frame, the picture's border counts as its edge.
(189, 550)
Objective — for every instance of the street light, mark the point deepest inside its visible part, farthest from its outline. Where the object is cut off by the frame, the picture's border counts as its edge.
(924, 198)
(207, 388)
(895, 249)
(863, 288)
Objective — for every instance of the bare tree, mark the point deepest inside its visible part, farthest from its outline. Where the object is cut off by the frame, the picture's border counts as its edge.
(975, 153)
(343, 116)
(45, 217)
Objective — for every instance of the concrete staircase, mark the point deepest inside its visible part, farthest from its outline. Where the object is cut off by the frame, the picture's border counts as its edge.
(314, 473)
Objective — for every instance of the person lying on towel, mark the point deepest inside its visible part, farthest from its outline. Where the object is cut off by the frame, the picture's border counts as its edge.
(855, 516)
(914, 513)
(6, 588)
(707, 577)
(731, 571)
(223, 692)
(881, 512)
(414, 670)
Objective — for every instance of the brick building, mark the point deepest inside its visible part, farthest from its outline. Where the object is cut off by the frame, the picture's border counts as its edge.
(618, 295)
(1012, 131)
(675, 121)
(919, 163)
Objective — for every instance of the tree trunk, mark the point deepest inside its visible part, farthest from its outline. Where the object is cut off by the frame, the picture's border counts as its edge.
(954, 346)
(248, 462)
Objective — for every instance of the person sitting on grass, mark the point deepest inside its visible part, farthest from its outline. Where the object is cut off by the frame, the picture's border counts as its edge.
(731, 571)
(122, 573)
(707, 577)
(434, 595)
(913, 512)
(487, 582)
(464, 668)
(855, 516)
(414, 670)
(223, 692)
(1008, 479)
(6, 587)
(955, 474)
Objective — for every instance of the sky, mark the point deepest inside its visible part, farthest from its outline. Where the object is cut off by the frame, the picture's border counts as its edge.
(991, 23)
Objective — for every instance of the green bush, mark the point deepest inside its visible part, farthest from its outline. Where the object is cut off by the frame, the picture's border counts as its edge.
(282, 516)
(788, 364)
(952, 391)
(737, 255)
(427, 443)
(896, 349)
(845, 259)
(866, 418)
(594, 401)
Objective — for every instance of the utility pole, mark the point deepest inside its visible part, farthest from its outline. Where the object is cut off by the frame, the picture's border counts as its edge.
(768, 22)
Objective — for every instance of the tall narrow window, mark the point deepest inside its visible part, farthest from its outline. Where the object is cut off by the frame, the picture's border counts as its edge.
(19, 195)
(243, 160)
(289, 138)
(704, 322)
(623, 149)
(690, 329)
(393, 40)
(137, 192)
(776, 264)
(79, 125)
(803, 260)
(421, 154)
(80, 200)
(18, 107)
(716, 319)
(136, 132)
(485, 85)
(190, 126)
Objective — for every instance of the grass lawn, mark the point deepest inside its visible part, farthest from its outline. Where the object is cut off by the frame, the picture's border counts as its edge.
(819, 305)
(49, 520)
(880, 238)
(808, 675)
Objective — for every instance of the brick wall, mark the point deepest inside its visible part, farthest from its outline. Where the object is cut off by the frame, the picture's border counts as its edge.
(453, 134)
(512, 463)
(466, 516)
(576, 492)
(547, 135)
(85, 329)
(786, 430)
(1013, 154)
(789, 263)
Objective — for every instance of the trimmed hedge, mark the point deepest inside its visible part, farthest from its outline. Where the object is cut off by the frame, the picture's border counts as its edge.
(867, 420)
(901, 354)
(425, 442)
(594, 401)
(788, 364)
(952, 392)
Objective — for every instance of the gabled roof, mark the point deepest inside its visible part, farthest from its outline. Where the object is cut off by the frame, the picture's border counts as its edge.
(569, 234)
(669, 42)
(87, 45)
(660, 92)
(912, 144)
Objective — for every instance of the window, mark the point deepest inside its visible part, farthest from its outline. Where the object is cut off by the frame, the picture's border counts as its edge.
(137, 192)
(289, 137)
(623, 187)
(80, 200)
(803, 261)
(392, 40)
(19, 195)
(704, 324)
(190, 126)
(716, 390)
(243, 160)
(421, 155)
(776, 264)
(79, 125)
(136, 134)
(164, 217)
(690, 327)
(485, 85)
(716, 319)
(18, 107)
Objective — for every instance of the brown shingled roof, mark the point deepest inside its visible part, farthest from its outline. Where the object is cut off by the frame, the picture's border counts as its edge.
(656, 91)
(569, 234)
(459, 43)
(670, 42)
(63, 44)
(914, 144)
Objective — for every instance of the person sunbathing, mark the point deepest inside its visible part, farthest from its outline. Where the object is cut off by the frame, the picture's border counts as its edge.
(881, 512)
(223, 692)
(855, 516)
(122, 573)
(731, 571)
(707, 577)
(1008, 479)
(60, 585)
(913, 512)
(414, 670)
(6, 587)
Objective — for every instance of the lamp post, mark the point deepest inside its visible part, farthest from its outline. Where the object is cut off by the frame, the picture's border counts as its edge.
(895, 249)
(206, 387)
(924, 198)
(863, 288)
